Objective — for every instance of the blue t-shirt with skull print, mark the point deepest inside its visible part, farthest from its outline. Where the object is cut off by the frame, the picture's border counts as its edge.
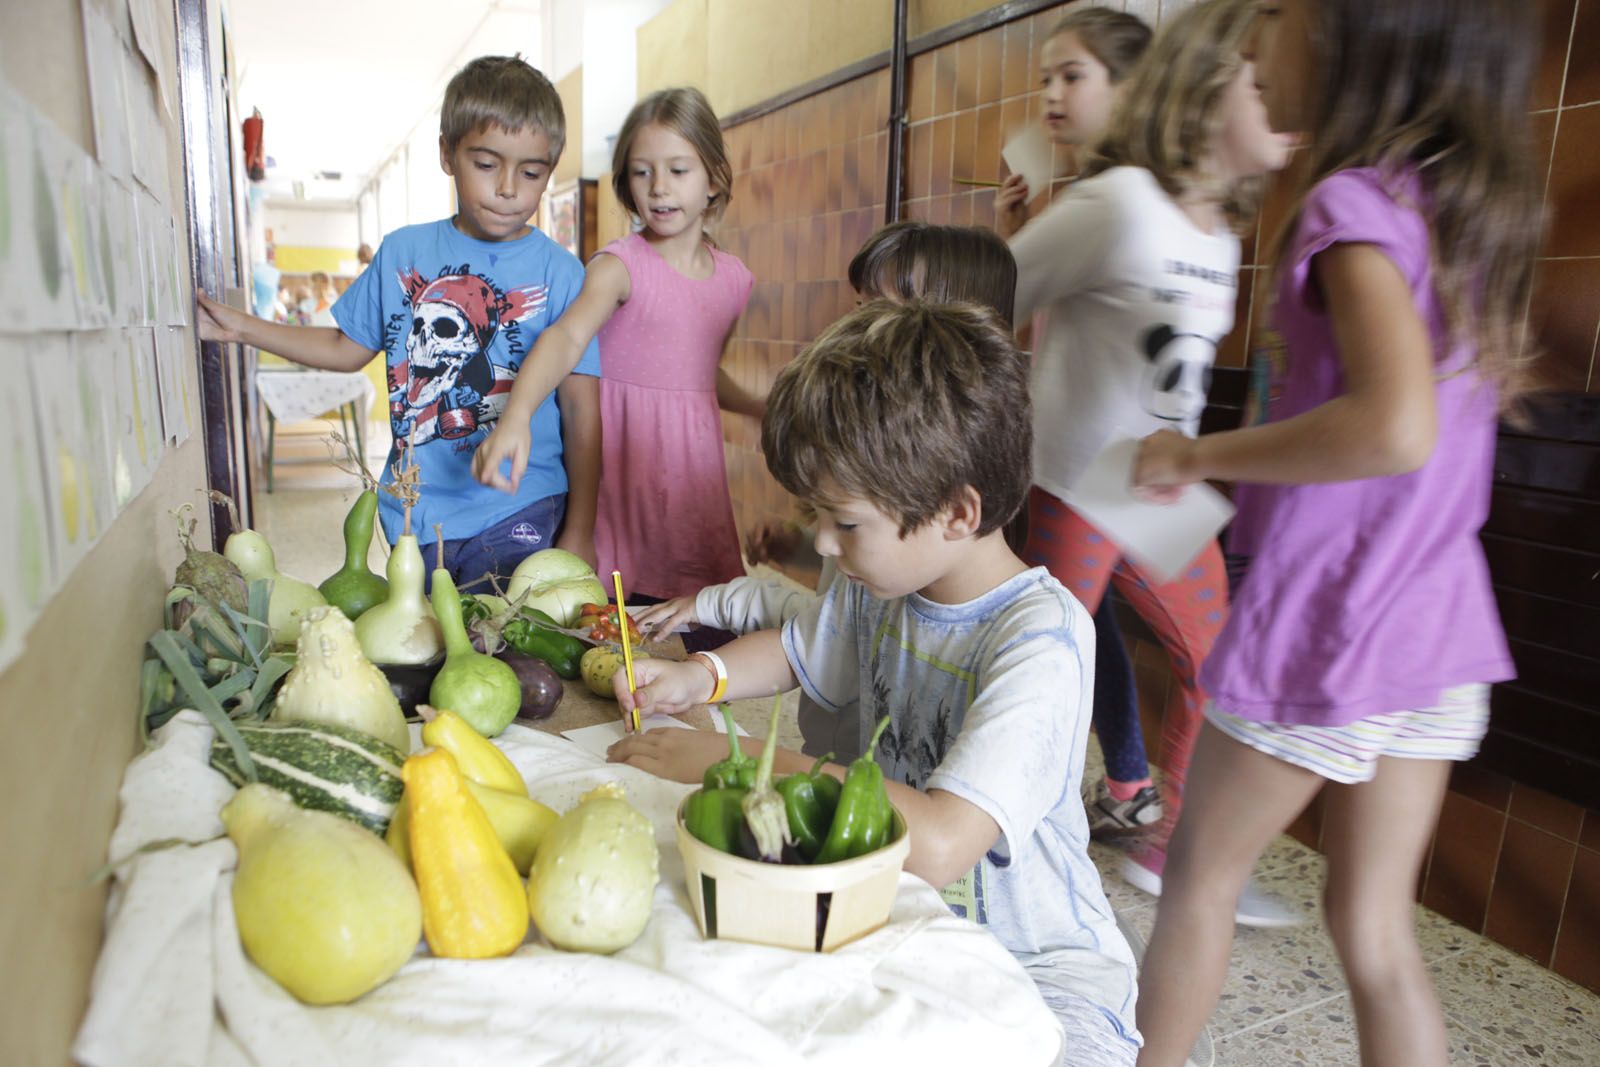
(455, 317)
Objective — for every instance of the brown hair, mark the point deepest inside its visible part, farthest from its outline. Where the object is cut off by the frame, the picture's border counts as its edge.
(504, 91)
(905, 404)
(1170, 112)
(687, 113)
(1115, 38)
(942, 264)
(1444, 90)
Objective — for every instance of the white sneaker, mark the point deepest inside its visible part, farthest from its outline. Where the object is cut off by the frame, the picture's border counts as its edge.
(1110, 817)
(1256, 906)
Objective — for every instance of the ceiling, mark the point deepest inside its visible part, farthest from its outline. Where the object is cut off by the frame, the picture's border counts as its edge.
(343, 83)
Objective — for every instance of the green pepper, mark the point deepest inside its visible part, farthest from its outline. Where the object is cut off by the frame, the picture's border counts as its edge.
(864, 816)
(714, 816)
(533, 636)
(738, 771)
(810, 800)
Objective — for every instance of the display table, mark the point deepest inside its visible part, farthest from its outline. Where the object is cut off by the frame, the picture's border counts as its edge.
(294, 394)
(172, 986)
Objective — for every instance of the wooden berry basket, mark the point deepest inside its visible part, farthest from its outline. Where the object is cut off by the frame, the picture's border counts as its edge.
(812, 909)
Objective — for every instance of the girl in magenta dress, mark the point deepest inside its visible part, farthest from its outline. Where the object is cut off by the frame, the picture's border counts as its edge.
(663, 302)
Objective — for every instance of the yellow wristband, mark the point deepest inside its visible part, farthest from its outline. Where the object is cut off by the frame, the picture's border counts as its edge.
(719, 674)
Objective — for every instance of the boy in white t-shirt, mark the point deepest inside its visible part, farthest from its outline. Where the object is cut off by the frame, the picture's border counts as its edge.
(905, 428)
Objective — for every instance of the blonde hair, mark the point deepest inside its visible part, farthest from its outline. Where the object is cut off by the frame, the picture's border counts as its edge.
(1443, 90)
(1170, 111)
(503, 91)
(687, 113)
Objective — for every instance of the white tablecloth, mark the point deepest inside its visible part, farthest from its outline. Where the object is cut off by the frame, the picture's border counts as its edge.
(297, 395)
(173, 988)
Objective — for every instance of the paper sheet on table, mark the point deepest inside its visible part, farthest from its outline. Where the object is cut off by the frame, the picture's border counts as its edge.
(1030, 154)
(601, 736)
(1161, 537)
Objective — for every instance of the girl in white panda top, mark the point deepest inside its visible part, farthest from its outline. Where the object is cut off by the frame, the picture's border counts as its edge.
(1137, 267)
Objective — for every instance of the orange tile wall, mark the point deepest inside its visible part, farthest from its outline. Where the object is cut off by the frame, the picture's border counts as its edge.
(1510, 861)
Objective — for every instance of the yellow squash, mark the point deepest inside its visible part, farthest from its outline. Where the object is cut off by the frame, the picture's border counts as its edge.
(320, 904)
(519, 822)
(476, 756)
(473, 903)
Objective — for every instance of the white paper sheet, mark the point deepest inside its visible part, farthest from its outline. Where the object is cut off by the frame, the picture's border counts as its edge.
(1030, 154)
(601, 736)
(103, 50)
(75, 523)
(1161, 537)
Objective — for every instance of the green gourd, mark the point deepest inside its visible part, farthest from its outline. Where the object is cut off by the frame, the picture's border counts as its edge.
(353, 588)
(482, 690)
(402, 629)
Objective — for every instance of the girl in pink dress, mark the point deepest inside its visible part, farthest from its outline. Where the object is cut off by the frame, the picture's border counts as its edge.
(662, 302)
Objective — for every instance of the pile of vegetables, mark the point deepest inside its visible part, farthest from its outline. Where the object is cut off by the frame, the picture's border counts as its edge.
(804, 818)
(603, 625)
(351, 847)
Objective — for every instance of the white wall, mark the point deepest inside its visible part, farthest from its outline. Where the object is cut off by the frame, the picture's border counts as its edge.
(313, 227)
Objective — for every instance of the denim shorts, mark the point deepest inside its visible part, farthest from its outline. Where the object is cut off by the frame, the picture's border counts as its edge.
(497, 550)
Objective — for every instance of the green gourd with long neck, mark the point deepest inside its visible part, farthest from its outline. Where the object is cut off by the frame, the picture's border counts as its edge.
(353, 589)
(482, 690)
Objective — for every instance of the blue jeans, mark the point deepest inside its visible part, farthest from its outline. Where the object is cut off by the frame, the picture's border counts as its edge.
(497, 550)
(1116, 704)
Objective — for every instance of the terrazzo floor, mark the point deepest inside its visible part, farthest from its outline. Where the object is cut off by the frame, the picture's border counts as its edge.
(1284, 1001)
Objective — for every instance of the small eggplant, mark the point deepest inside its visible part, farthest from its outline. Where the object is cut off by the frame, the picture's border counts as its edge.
(541, 686)
(409, 682)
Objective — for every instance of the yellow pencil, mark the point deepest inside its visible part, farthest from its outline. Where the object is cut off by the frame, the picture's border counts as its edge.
(627, 647)
(983, 182)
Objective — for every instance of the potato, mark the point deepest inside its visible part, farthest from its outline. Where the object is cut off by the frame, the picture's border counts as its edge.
(600, 664)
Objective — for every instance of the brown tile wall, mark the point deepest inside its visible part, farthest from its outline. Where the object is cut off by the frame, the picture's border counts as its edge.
(1510, 861)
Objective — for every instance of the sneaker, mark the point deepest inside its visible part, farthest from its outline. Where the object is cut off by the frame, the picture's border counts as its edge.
(1256, 906)
(1110, 817)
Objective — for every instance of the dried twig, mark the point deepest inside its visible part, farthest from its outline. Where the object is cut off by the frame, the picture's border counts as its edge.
(342, 453)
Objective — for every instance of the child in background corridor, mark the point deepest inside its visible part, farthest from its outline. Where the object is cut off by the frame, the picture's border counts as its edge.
(1086, 61)
(1362, 642)
(1137, 265)
(663, 302)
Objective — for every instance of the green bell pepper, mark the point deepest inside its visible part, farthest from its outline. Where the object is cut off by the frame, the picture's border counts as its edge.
(714, 816)
(738, 771)
(864, 816)
(810, 800)
(562, 651)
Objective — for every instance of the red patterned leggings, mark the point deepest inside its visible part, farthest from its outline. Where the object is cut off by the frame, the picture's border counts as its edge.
(1186, 615)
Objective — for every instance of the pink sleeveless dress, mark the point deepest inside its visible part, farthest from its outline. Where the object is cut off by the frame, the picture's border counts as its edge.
(664, 517)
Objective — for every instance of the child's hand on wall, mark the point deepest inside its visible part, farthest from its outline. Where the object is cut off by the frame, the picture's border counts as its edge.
(219, 322)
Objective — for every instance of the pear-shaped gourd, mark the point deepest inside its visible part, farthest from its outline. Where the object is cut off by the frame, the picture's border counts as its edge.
(595, 874)
(291, 598)
(333, 683)
(402, 629)
(481, 689)
(322, 905)
(353, 588)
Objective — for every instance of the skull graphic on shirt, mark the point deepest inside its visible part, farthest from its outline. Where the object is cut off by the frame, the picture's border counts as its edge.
(449, 385)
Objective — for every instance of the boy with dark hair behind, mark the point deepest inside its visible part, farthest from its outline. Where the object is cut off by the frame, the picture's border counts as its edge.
(456, 305)
(905, 428)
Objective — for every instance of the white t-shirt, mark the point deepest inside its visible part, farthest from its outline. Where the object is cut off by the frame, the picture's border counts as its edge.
(989, 700)
(1137, 299)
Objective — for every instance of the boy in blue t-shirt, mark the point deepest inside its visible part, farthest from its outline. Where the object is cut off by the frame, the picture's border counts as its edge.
(905, 428)
(456, 305)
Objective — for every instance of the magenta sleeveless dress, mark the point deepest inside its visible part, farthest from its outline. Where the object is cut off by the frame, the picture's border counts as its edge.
(664, 517)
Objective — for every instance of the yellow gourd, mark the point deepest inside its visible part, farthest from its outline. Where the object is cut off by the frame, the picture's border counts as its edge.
(320, 904)
(476, 756)
(473, 902)
(519, 822)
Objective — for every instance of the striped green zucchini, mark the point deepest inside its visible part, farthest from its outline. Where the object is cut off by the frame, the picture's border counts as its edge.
(323, 768)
